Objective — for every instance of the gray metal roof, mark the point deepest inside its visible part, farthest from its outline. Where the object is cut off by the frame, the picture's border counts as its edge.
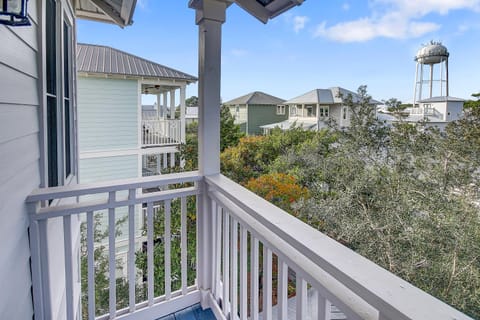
(442, 99)
(334, 95)
(98, 59)
(256, 97)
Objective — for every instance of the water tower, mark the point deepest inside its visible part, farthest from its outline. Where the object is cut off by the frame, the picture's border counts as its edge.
(427, 79)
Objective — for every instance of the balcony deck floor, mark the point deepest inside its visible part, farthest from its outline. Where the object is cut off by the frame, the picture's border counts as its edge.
(191, 313)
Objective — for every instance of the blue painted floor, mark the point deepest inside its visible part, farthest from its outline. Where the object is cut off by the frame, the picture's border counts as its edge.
(191, 313)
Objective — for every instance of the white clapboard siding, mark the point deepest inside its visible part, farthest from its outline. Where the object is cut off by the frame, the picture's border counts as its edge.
(107, 114)
(19, 161)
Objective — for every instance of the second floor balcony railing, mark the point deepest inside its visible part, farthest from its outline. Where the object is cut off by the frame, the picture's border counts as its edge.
(249, 260)
(161, 132)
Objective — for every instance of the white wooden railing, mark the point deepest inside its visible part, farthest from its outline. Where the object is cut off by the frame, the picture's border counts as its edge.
(68, 204)
(161, 132)
(243, 222)
(249, 253)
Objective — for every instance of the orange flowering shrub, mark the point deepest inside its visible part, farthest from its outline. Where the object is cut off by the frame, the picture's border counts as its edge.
(278, 188)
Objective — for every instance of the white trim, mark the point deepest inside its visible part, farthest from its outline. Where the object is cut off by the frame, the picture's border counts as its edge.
(109, 153)
(127, 152)
(139, 114)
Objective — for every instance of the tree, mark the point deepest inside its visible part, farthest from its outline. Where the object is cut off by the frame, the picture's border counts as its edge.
(230, 133)
(280, 189)
(101, 265)
(192, 101)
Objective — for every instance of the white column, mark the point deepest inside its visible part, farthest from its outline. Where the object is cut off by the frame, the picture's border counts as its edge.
(210, 15)
(172, 104)
(182, 113)
(164, 107)
(158, 106)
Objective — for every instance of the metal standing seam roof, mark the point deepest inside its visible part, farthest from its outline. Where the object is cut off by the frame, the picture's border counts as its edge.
(326, 96)
(256, 97)
(97, 59)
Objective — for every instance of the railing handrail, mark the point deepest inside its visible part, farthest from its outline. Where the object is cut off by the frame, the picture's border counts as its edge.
(160, 120)
(394, 297)
(44, 194)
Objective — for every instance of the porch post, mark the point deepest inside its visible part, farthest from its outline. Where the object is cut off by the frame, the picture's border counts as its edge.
(164, 107)
(158, 106)
(172, 104)
(210, 15)
(182, 114)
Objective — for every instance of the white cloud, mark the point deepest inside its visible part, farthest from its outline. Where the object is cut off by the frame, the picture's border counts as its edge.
(346, 6)
(397, 19)
(299, 22)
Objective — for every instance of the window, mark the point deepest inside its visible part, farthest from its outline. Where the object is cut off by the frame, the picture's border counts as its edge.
(324, 112)
(280, 110)
(293, 110)
(344, 113)
(311, 111)
(59, 112)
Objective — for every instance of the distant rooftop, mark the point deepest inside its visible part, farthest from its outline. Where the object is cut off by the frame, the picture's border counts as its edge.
(96, 59)
(442, 99)
(258, 98)
(334, 95)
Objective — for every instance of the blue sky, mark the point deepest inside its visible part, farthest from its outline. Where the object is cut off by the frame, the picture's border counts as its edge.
(319, 44)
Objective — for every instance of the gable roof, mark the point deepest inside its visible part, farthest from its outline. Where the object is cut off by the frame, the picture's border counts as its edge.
(256, 97)
(98, 59)
(334, 95)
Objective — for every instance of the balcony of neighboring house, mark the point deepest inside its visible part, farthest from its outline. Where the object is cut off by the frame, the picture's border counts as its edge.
(162, 125)
(209, 241)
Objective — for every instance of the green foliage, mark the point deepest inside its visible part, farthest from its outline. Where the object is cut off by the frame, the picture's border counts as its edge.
(230, 133)
(254, 154)
(406, 197)
(101, 270)
(192, 101)
(175, 250)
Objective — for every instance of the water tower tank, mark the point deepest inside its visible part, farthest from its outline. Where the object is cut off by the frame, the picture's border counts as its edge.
(432, 53)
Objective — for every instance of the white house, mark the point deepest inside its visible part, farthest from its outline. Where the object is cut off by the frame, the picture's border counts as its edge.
(314, 109)
(40, 202)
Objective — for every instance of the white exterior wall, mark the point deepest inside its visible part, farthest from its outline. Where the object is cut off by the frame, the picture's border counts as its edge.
(19, 160)
(107, 114)
(454, 110)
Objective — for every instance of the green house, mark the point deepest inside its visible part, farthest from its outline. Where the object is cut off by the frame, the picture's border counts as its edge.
(256, 109)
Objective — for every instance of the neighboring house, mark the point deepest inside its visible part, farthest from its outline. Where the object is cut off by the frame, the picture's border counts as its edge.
(118, 137)
(256, 109)
(191, 115)
(431, 112)
(314, 109)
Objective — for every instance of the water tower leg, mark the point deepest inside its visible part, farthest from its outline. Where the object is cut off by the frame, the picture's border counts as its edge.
(431, 79)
